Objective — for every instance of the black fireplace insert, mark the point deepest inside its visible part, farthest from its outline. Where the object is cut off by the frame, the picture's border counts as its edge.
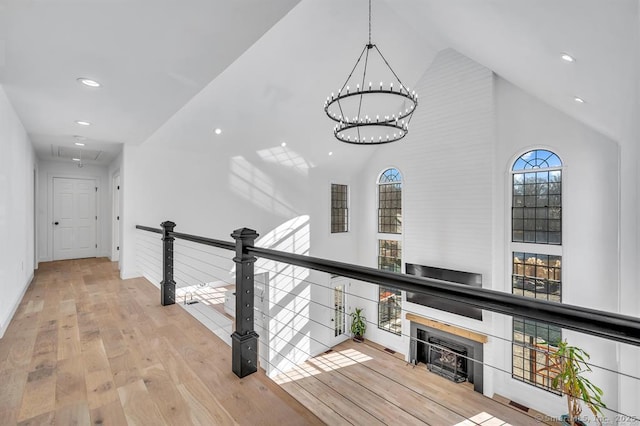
(447, 359)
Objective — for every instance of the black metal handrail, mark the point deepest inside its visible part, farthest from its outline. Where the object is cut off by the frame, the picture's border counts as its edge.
(613, 326)
(227, 245)
(610, 325)
(150, 229)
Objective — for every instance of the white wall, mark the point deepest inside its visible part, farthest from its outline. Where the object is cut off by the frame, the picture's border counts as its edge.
(17, 252)
(208, 193)
(590, 224)
(50, 169)
(446, 164)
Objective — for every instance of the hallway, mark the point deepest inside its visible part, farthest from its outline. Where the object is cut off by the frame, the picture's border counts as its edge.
(85, 347)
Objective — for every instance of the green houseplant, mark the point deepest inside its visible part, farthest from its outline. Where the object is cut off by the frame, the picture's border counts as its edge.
(571, 363)
(358, 325)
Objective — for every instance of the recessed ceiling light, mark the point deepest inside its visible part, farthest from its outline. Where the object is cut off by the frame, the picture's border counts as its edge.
(283, 144)
(83, 123)
(79, 144)
(75, 159)
(330, 153)
(578, 100)
(568, 58)
(218, 131)
(88, 82)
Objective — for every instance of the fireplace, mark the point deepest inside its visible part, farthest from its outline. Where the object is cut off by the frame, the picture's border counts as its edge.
(447, 354)
(447, 359)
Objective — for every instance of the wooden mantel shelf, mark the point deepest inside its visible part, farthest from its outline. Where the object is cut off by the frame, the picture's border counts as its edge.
(452, 329)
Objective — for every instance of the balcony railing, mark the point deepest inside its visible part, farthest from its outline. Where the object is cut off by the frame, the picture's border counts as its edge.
(245, 341)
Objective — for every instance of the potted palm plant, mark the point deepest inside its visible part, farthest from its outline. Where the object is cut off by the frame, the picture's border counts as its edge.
(358, 325)
(572, 364)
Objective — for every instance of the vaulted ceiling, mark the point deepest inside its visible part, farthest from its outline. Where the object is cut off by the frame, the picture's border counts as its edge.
(178, 69)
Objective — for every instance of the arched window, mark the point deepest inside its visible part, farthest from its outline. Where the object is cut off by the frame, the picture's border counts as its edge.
(390, 247)
(537, 198)
(390, 202)
(536, 265)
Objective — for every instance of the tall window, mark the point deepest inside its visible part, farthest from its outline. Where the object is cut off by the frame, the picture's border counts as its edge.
(339, 208)
(536, 267)
(390, 202)
(390, 248)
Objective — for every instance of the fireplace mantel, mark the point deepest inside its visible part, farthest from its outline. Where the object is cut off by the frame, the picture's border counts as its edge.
(448, 328)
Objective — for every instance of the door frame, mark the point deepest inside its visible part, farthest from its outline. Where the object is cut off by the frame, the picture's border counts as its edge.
(50, 177)
(116, 199)
(333, 282)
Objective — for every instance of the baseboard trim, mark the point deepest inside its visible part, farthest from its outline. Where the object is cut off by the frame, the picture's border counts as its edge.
(6, 321)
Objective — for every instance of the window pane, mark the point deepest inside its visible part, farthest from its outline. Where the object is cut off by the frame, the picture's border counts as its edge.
(390, 299)
(537, 159)
(533, 343)
(339, 209)
(542, 201)
(390, 310)
(390, 208)
(537, 275)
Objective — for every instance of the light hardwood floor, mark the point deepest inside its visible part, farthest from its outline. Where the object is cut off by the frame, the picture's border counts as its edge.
(363, 384)
(88, 348)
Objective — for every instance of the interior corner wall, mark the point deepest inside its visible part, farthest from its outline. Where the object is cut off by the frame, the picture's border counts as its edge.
(47, 170)
(17, 198)
(205, 192)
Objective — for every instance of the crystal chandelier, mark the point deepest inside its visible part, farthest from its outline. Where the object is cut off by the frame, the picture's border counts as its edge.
(369, 113)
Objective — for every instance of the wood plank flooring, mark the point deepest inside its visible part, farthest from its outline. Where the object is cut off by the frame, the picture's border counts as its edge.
(363, 384)
(88, 348)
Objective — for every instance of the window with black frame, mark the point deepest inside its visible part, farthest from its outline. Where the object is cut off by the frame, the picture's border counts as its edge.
(536, 267)
(390, 202)
(389, 298)
(390, 248)
(339, 208)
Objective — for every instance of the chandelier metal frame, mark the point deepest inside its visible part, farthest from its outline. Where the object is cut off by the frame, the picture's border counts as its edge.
(396, 123)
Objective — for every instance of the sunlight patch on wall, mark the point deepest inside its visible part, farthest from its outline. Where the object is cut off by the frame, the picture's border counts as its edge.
(289, 296)
(252, 184)
(286, 157)
(292, 236)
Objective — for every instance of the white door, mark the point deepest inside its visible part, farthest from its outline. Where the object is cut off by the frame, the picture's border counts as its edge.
(74, 218)
(339, 324)
(115, 252)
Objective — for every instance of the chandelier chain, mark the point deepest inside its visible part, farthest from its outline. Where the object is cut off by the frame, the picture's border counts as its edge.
(364, 75)
(369, 22)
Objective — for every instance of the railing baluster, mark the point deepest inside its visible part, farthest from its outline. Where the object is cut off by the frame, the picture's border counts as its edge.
(244, 352)
(168, 285)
